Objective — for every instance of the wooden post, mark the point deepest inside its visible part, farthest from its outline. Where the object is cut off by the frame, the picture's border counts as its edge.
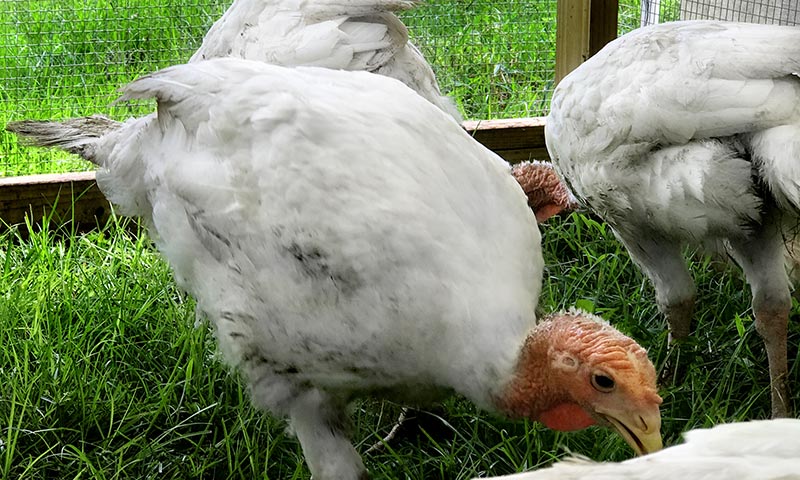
(583, 27)
(603, 18)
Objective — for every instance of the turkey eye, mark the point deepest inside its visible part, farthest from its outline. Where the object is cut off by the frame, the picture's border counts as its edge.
(602, 383)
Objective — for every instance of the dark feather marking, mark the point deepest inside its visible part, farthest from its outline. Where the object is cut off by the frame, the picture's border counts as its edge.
(215, 242)
(357, 371)
(315, 263)
(254, 359)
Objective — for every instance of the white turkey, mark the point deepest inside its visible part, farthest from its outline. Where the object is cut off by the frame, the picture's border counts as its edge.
(347, 238)
(354, 35)
(339, 34)
(759, 450)
(689, 133)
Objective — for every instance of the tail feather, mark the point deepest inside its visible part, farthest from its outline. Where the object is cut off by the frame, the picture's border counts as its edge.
(76, 135)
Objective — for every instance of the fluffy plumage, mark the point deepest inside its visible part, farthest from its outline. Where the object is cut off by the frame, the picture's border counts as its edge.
(689, 133)
(359, 35)
(347, 35)
(345, 237)
(339, 34)
(759, 450)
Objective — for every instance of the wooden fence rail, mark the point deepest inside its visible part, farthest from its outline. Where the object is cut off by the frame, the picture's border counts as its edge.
(74, 199)
(583, 27)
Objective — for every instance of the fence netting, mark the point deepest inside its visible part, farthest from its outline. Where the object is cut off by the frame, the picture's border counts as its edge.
(774, 12)
(65, 58)
(778, 12)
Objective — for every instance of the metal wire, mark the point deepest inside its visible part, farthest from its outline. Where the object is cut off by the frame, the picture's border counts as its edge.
(778, 12)
(496, 59)
(66, 58)
(639, 13)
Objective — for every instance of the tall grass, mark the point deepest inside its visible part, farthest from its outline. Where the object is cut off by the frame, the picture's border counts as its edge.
(67, 58)
(106, 376)
(496, 60)
(61, 59)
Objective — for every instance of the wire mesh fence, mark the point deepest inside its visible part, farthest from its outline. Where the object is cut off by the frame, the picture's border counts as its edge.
(778, 12)
(66, 58)
(62, 58)
(648, 12)
(775, 12)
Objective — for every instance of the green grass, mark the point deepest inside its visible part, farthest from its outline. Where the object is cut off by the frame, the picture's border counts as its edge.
(62, 59)
(66, 58)
(106, 376)
(496, 60)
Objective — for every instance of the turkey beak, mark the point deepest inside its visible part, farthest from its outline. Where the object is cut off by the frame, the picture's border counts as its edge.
(642, 431)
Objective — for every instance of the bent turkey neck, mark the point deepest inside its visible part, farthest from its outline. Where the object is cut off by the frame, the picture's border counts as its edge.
(534, 391)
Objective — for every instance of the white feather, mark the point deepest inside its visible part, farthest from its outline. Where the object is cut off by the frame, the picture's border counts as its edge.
(758, 450)
(689, 133)
(683, 85)
(285, 174)
(344, 236)
(337, 34)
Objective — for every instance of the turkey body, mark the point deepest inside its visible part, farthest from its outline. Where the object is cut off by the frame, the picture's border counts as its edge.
(330, 272)
(345, 237)
(758, 450)
(318, 260)
(688, 133)
(361, 35)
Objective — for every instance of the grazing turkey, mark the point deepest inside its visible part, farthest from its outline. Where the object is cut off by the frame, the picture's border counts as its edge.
(340, 34)
(689, 133)
(347, 238)
(759, 450)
